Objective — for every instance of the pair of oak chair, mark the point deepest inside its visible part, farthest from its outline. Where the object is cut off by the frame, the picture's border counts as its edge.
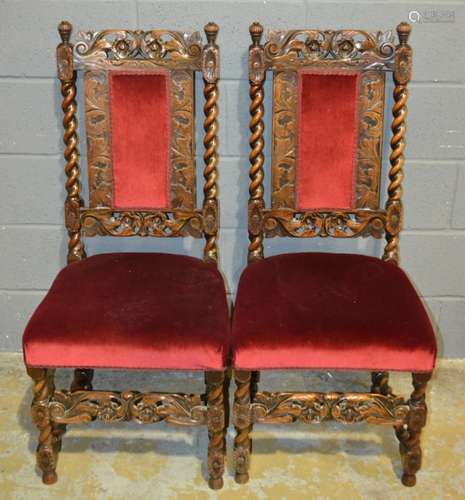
(156, 311)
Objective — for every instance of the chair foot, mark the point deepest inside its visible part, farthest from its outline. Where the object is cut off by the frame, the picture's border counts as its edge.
(49, 477)
(409, 434)
(241, 478)
(49, 433)
(245, 383)
(409, 479)
(215, 484)
(216, 421)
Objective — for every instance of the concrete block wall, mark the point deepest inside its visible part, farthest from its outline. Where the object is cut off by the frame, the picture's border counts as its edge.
(32, 237)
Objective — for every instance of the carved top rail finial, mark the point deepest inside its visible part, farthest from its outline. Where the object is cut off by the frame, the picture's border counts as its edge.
(65, 28)
(256, 32)
(403, 32)
(211, 31)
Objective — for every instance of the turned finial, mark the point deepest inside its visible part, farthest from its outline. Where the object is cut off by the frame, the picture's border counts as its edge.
(256, 31)
(211, 31)
(65, 28)
(403, 32)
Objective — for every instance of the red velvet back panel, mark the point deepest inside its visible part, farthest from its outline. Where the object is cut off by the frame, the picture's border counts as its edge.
(140, 129)
(328, 128)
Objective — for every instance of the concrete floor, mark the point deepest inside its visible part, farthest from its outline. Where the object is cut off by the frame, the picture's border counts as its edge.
(326, 461)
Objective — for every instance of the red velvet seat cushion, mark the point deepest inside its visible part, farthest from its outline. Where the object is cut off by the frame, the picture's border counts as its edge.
(330, 311)
(132, 310)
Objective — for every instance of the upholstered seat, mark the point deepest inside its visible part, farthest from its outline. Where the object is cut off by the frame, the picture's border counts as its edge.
(132, 310)
(330, 311)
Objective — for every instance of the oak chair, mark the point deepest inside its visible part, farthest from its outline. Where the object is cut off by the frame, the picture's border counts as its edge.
(329, 311)
(131, 311)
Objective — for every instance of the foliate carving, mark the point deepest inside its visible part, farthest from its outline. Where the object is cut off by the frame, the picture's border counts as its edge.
(255, 216)
(210, 217)
(105, 222)
(370, 139)
(210, 63)
(85, 406)
(256, 65)
(338, 224)
(158, 46)
(282, 407)
(285, 91)
(403, 64)
(182, 152)
(347, 47)
(100, 173)
(394, 217)
(72, 215)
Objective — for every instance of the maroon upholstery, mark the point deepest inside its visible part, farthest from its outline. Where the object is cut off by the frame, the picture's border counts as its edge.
(330, 311)
(328, 129)
(132, 310)
(140, 129)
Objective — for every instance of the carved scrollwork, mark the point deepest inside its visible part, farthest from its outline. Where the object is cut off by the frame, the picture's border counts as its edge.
(370, 143)
(347, 47)
(182, 152)
(314, 407)
(105, 222)
(284, 139)
(339, 224)
(158, 46)
(84, 406)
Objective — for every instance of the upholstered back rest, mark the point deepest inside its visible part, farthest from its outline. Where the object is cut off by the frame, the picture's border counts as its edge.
(140, 129)
(327, 133)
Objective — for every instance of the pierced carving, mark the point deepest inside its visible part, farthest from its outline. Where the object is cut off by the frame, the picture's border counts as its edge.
(106, 222)
(286, 407)
(85, 406)
(339, 224)
(350, 48)
(161, 47)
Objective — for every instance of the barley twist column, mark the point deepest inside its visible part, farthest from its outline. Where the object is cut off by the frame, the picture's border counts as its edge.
(256, 156)
(47, 449)
(210, 69)
(409, 434)
(242, 424)
(216, 421)
(402, 75)
(67, 76)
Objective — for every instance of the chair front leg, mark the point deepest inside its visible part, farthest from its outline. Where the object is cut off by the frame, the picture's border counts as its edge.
(82, 380)
(380, 383)
(216, 422)
(242, 423)
(49, 435)
(409, 434)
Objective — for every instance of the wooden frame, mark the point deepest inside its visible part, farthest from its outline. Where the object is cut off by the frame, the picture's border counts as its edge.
(97, 53)
(285, 53)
